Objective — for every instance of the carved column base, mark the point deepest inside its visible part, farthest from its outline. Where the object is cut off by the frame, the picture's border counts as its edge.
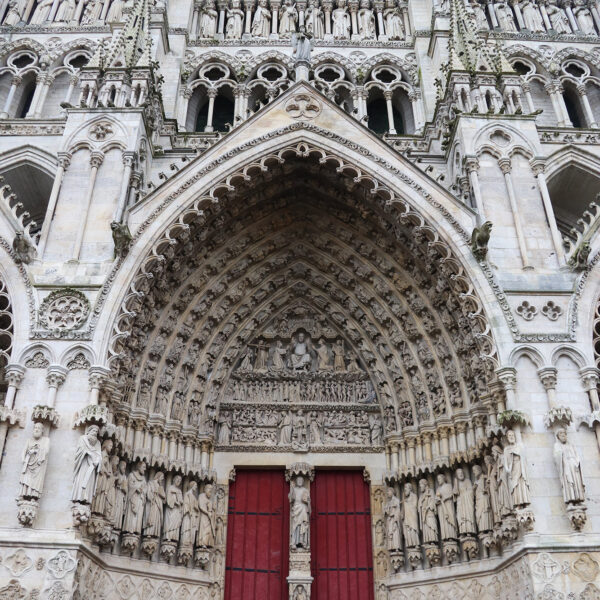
(397, 560)
(149, 547)
(185, 554)
(414, 558)
(470, 545)
(432, 552)
(526, 518)
(168, 549)
(451, 551)
(577, 515)
(130, 543)
(202, 558)
(27, 511)
(81, 513)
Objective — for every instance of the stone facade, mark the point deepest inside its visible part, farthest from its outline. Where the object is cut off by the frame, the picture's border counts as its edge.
(300, 234)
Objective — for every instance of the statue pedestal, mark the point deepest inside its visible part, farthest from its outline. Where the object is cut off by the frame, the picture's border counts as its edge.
(299, 580)
(302, 70)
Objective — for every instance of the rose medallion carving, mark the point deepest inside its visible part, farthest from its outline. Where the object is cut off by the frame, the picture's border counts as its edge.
(64, 310)
(101, 131)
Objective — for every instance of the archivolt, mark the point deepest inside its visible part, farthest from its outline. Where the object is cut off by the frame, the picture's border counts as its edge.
(301, 225)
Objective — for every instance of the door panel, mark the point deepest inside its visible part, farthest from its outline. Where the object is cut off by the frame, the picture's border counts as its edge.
(342, 557)
(257, 537)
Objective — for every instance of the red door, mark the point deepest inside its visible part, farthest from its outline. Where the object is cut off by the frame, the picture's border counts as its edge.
(257, 537)
(342, 557)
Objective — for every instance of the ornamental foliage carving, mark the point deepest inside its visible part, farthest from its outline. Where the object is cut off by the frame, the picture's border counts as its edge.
(64, 310)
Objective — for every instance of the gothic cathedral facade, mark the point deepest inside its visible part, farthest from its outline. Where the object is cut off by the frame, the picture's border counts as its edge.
(299, 299)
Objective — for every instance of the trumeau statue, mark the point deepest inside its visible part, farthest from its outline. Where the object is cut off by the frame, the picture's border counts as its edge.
(569, 468)
(465, 503)
(155, 501)
(206, 524)
(444, 498)
(410, 521)
(35, 460)
(88, 458)
(514, 465)
(136, 498)
(391, 512)
(427, 511)
(299, 515)
(174, 510)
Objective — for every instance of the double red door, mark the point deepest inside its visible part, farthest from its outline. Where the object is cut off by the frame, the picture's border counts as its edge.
(257, 536)
(341, 552)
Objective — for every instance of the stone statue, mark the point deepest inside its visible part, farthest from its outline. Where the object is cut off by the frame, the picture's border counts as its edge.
(323, 358)
(206, 523)
(121, 238)
(299, 431)
(314, 20)
(569, 468)
(376, 430)
(41, 12)
(88, 458)
(300, 593)
(316, 428)
(584, 18)
(111, 496)
(191, 514)
(115, 14)
(120, 495)
(532, 17)
(105, 480)
(410, 522)
(174, 510)
(262, 356)
(22, 247)
(285, 429)
(366, 21)
(392, 16)
(35, 460)
(339, 356)
(427, 510)
(288, 19)
(261, 23)
(155, 502)
(505, 17)
(136, 498)
(514, 465)
(483, 509)
(278, 357)
(247, 363)
(505, 506)
(341, 21)
(444, 499)
(479, 240)
(465, 503)
(208, 20)
(479, 14)
(558, 19)
(235, 21)
(391, 512)
(300, 358)
(299, 515)
(225, 423)
(92, 12)
(13, 16)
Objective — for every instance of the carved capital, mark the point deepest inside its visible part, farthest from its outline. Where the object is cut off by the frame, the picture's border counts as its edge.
(14, 374)
(129, 158)
(471, 163)
(212, 92)
(97, 376)
(56, 376)
(64, 159)
(589, 378)
(96, 159)
(508, 377)
(538, 166)
(548, 377)
(505, 165)
(16, 80)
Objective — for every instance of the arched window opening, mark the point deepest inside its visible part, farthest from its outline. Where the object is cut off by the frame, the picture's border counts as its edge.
(378, 117)
(257, 98)
(541, 101)
(32, 187)
(6, 336)
(571, 191)
(59, 92)
(25, 100)
(573, 104)
(343, 98)
(222, 112)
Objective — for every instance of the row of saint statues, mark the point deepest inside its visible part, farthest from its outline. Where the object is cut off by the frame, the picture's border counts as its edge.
(300, 355)
(337, 20)
(65, 12)
(462, 505)
(553, 16)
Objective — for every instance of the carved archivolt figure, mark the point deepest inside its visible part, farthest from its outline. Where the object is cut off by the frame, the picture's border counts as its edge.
(105, 480)
(410, 522)
(206, 524)
(392, 520)
(299, 515)
(465, 503)
(174, 511)
(569, 468)
(191, 513)
(483, 509)
(427, 510)
(88, 458)
(444, 498)
(35, 460)
(155, 502)
(514, 464)
(136, 498)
